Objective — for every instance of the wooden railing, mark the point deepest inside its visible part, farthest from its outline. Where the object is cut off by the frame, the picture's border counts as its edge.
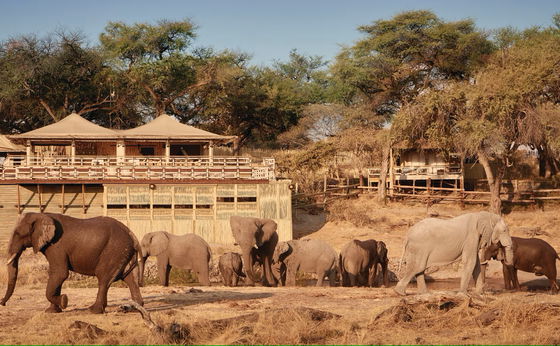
(135, 168)
(432, 171)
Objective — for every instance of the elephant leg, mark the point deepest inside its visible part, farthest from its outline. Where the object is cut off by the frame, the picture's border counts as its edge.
(320, 277)
(332, 278)
(54, 287)
(131, 281)
(100, 304)
(268, 277)
(291, 275)
(421, 283)
(507, 277)
(478, 275)
(412, 270)
(352, 279)
(163, 270)
(515, 279)
(203, 275)
(470, 262)
(385, 275)
(372, 275)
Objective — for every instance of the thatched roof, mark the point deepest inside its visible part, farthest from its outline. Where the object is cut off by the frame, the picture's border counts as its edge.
(166, 127)
(162, 127)
(6, 146)
(71, 127)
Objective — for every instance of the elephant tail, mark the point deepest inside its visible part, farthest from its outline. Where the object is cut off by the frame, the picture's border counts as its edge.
(402, 257)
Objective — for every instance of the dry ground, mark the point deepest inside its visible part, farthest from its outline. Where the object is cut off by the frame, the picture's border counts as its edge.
(273, 315)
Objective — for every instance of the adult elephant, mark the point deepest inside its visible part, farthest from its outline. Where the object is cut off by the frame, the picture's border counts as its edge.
(358, 262)
(531, 255)
(257, 239)
(307, 255)
(100, 246)
(434, 242)
(187, 251)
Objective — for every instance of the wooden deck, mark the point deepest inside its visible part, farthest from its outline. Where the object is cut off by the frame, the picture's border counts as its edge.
(20, 169)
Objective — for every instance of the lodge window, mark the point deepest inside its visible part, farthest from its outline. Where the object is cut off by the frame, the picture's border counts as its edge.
(147, 151)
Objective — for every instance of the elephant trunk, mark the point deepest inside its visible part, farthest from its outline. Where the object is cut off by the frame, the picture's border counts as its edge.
(506, 242)
(248, 264)
(12, 265)
(141, 266)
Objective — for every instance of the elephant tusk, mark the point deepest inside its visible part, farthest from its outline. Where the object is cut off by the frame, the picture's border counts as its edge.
(11, 259)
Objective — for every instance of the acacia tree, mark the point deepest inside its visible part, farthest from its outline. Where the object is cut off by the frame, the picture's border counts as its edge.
(158, 61)
(495, 114)
(44, 79)
(404, 56)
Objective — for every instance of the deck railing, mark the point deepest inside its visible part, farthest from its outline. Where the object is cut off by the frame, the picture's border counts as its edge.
(432, 171)
(135, 168)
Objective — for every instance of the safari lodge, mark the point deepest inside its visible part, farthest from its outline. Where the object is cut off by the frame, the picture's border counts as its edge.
(163, 175)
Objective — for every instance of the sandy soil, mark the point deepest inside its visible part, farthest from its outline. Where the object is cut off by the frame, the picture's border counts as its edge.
(529, 316)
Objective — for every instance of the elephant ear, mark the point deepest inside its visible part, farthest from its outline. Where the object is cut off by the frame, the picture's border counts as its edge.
(485, 228)
(382, 250)
(158, 243)
(43, 232)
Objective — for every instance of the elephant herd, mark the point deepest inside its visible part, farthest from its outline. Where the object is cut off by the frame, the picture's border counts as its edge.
(105, 248)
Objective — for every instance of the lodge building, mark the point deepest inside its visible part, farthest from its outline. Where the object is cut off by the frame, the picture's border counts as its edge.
(163, 175)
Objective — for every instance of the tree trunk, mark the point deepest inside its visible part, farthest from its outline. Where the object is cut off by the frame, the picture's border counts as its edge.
(542, 161)
(382, 185)
(494, 182)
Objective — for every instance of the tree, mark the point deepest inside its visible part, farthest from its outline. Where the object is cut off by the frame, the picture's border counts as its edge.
(494, 115)
(44, 79)
(158, 62)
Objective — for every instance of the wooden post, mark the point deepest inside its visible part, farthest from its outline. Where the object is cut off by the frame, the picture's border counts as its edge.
(28, 153)
(18, 200)
(62, 199)
(40, 198)
(84, 198)
(325, 192)
(73, 151)
(173, 223)
(413, 186)
(391, 172)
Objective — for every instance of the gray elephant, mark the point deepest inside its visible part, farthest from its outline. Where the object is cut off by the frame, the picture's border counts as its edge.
(257, 239)
(358, 262)
(435, 242)
(187, 251)
(100, 246)
(231, 268)
(307, 255)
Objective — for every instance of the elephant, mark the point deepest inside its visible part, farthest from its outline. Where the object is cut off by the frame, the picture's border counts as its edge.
(531, 255)
(307, 255)
(358, 262)
(187, 251)
(434, 242)
(257, 239)
(99, 246)
(231, 268)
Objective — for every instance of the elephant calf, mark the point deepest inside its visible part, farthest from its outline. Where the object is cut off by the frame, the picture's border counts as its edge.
(187, 251)
(531, 255)
(306, 255)
(358, 262)
(231, 268)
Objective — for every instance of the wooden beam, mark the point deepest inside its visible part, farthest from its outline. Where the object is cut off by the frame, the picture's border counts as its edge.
(84, 198)
(40, 198)
(62, 207)
(18, 200)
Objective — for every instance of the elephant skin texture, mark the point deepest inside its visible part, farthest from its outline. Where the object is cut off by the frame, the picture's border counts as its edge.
(436, 242)
(187, 251)
(257, 239)
(101, 246)
(358, 262)
(231, 268)
(531, 255)
(309, 256)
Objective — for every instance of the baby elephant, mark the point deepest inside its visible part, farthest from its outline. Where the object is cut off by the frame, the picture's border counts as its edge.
(531, 255)
(358, 262)
(306, 255)
(231, 268)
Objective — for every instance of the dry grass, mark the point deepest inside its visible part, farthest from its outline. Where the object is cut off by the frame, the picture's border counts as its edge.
(520, 318)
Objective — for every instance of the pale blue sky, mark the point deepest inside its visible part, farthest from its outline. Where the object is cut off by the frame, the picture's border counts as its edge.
(266, 29)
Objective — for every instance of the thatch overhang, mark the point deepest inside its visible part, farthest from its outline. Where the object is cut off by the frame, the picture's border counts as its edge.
(72, 127)
(7, 146)
(165, 127)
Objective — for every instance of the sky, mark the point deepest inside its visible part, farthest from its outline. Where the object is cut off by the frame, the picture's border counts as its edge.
(266, 29)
